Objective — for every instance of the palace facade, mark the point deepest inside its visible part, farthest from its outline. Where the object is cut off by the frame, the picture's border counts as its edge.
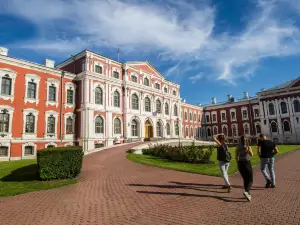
(93, 101)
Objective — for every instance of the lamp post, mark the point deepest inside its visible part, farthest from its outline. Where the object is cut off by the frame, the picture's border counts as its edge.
(178, 131)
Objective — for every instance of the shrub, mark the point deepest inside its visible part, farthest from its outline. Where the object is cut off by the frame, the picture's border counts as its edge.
(59, 163)
(147, 139)
(189, 154)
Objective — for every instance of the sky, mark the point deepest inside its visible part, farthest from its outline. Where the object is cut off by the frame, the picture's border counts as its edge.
(212, 48)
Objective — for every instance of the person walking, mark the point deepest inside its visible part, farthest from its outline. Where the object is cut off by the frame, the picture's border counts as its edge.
(243, 154)
(224, 157)
(267, 150)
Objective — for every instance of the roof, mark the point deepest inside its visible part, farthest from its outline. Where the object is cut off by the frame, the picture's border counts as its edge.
(281, 86)
(227, 102)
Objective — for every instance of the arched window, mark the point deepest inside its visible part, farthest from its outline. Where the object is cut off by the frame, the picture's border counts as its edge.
(168, 129)
(30, 122)
(233, 130)
(191, 116)
(175, 110)
(134, 128)
(297, 106)
(117, 126)
(286, 126)
(158, 106)
(215, 130)
(246, 129)
(258, 129)
(271, 109)
(283, 107)
(146, 81)
(208, 132)
(186, 132)
(191, 132)
(158, 129)
(69, 125)
(116, 99)
(274, 127)
(185, 115)
(51, 125)
(98, 96)
(166, 90)
(166, 108)
(225, 130)
(147, 104)
(176, 129)
(135, 102)
(99, 125)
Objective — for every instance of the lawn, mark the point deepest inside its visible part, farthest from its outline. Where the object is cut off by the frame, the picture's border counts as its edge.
(17, 177)
(207, 169)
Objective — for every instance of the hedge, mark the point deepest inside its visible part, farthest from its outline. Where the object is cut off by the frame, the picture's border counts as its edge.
(59, 163)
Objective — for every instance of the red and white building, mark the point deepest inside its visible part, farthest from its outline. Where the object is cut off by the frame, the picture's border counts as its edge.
(93, 101)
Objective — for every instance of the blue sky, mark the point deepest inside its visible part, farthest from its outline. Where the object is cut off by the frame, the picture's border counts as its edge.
(210, 47)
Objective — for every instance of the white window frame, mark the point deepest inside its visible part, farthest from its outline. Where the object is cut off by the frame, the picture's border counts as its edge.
(115, 69)
(286, 132)
(35, 114)
(235, 119)
(66, 116)
(224, 125)
(55, 115)
(50, 143)
(268, 108)
(10, 111)
(244, 124)
(242, 110)
(211, 132)
(258, 123)
(72, 86)
(98, 64)
(12, 75)
(207, 114)
(5, 144)
(113, 130)
(35, 79)
(55, 83)
(98, 106)
(146, 77)
(99, 135)
(34, 150)
(237, 130)
(120, 98)
(175, 92)
(212, 117)
(213, 129)
(287, 107)
(253, 110)
(136, 76)
(221, 112)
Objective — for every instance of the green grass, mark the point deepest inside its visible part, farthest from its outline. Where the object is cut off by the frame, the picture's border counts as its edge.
(17, 177)
(207, 169)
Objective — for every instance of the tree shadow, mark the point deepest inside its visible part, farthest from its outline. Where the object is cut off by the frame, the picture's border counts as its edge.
(26, 173)
(225, 199)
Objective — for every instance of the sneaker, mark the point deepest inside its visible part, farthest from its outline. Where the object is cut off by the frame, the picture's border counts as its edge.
(247, 196)
(272, 186)
(268, 184)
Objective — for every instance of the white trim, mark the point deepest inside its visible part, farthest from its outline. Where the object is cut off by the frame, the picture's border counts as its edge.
(233, 110)
(244, 108)
(223, 111)
(249, 132)
(99, 135)
(10, 111)
(118, 136)
(5, 72)
(50, 143)
(212, 117)
(55, 83)
(35, 79)
(35, 114)
(97, 63)
(55, 115)
(34, 150)
(66, 116)
(72, 86)
(253, 110)
(5, 144)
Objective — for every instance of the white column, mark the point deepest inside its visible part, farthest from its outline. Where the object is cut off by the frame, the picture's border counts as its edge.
(109, 128)
(85, 90)
(261, 113)
(91, 92)
(290, 107)
(277, 108)
(106, 102)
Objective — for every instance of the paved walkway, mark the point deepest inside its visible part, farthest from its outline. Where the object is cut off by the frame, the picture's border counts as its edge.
(113, 190)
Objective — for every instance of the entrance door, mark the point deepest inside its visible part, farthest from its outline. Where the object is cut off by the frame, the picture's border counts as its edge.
(148, 130)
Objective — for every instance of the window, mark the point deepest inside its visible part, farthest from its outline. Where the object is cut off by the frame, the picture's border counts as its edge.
(199, 118)
(134, 79)
(283, 107)
(52, 93)
(99, 128)
(3, 151)
(158, 106)
(258, 129)
(175, 110)
(223, 116)
(207, 118)
(297, 106)
(214, 117)
(215, 130)
(6, 86)
(99, 145)
(256, 112)
(232, 115)
(4, 122)
(116, 74)
(166, 90)
(116, 99)
(50, 146)
(51, 125)
(117, 126)
(245, 114)
(157, 86)
(174, 92)
(134, 128)
(70, 94)
(168, 129)
(185, 115)
(98, 69)
(274, 127)
(208, 132)
(158, 129)
(30, 123)
(233, 130)
(167, 108)
(31, 90)
(271, 109)
(98, 96)
(191, 116)
(286, 126)
(176, 129)
(29, 150)
(191, 132)
(135, 102)
(146, 82)
(225, 130)
(69, 125)
(195, 117)
(186, 132)
(246, 129)
(147, 104)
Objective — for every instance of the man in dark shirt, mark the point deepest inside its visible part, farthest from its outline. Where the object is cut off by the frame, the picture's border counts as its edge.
(266, 151)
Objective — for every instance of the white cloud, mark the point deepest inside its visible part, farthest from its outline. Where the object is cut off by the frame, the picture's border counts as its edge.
(176, 30)
(196, 78)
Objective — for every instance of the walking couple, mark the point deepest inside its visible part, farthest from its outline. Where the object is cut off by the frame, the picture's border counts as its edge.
(243, 153)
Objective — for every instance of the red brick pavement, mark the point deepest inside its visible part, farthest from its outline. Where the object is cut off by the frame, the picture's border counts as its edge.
(113, 190)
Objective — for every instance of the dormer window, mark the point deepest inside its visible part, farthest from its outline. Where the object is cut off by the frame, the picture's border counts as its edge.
(157, 86)
(134, 79)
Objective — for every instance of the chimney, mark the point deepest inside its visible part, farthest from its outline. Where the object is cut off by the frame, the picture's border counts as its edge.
(184, 100)
(246, 95)
(214, 100)
(3, 51)
(229, 98)
(49, 63)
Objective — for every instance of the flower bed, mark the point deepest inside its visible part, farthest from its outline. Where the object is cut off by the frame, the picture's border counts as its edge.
(189, 154)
